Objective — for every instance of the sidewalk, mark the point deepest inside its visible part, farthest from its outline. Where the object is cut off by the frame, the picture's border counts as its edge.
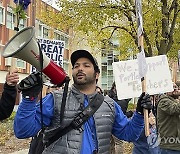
(25, 151)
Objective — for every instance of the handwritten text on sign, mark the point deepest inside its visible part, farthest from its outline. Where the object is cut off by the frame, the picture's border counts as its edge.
(128, 82)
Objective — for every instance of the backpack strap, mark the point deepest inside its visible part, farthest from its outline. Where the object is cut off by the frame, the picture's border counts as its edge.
(80, 119)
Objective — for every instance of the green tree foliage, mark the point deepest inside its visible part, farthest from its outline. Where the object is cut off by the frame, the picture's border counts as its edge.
(101, 21)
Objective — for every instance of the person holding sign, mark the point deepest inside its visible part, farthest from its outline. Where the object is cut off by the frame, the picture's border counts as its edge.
(168, 121)
(9, 94)
(80, 132)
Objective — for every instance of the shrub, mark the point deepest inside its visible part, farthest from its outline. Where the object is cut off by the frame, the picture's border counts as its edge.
(6, 128)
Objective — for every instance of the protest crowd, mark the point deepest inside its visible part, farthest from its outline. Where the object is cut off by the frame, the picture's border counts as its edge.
(90, 122)
(83, 118)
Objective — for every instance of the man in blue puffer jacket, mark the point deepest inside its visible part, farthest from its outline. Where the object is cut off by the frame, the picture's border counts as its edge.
(95, 137)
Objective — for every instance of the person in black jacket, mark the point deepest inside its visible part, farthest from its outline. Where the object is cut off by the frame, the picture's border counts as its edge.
(122, 103)
(9, 93)
(116, 144)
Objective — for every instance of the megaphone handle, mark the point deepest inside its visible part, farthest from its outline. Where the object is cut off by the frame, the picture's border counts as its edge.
(11, 68)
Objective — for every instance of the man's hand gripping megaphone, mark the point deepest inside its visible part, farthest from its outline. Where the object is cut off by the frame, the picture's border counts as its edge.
(31, 85)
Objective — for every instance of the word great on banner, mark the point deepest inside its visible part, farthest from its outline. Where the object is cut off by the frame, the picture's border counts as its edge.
(128, 82)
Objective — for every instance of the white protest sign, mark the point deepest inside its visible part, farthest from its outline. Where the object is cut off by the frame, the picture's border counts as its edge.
(54, 49)
(128, 82)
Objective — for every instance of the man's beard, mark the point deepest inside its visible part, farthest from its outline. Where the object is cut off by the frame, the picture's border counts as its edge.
(86, 81)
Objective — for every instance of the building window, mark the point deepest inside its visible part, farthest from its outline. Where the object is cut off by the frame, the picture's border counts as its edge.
(22, 24)
(20, 64)
(40, 31)
(10, 18)
(62, 37)
(65, 65)
(57, 36)
(66, 39)
(2, 15)
(107, 58)
(43, 31)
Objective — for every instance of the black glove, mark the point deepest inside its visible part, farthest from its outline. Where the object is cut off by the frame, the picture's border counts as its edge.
(144, 102)
(31, 86)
